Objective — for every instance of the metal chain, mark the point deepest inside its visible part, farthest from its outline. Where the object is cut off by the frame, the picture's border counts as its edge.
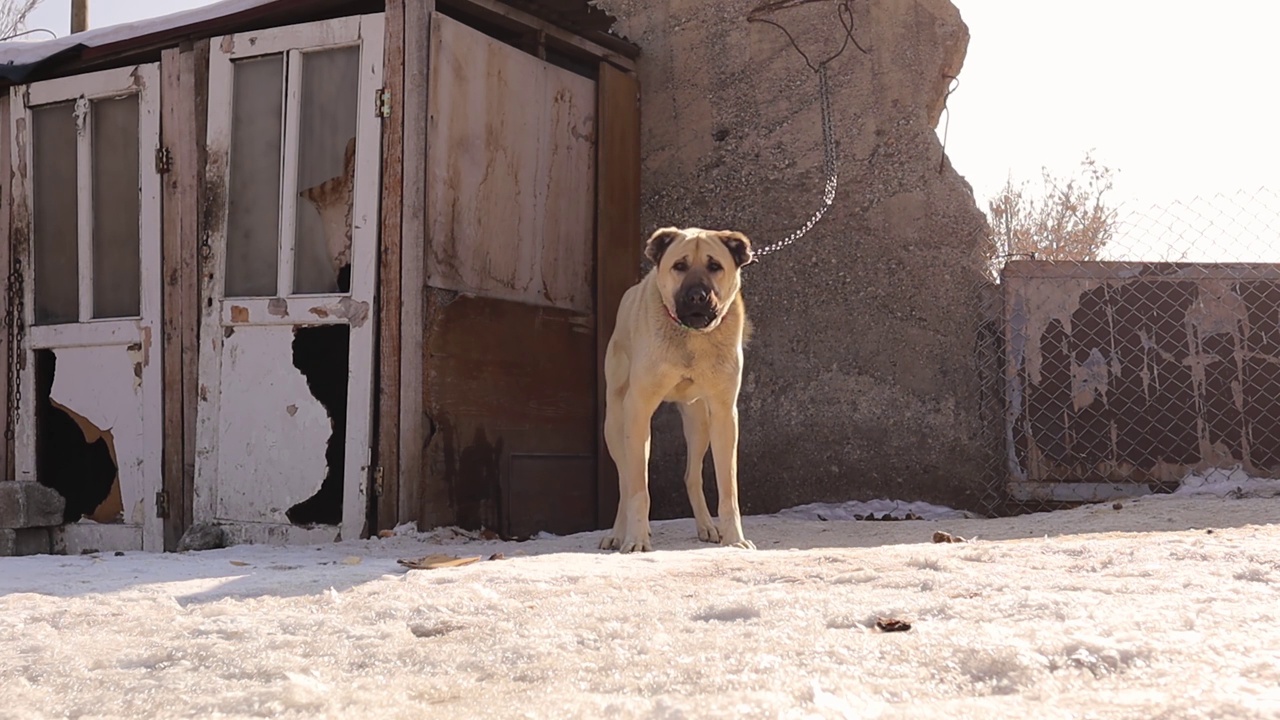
(14, 320)
(829, 167)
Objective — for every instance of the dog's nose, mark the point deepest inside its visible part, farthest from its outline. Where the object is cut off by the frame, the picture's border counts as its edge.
(698, 296)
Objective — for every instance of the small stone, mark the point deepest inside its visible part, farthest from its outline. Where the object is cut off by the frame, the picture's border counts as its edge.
(119, 553)
(1117, 505)
(204, 536)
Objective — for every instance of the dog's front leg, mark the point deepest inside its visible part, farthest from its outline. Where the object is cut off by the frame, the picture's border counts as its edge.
(634, 476)
(724, 451)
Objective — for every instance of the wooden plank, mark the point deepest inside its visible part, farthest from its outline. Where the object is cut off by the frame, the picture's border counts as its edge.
(6, 247)
(173, 134)
(494, 10)
(538, 248)
(387, 501)
(503, 379)
(618, 240)
(413, 230)
(191, 155)
(147, 78)
(20, 222)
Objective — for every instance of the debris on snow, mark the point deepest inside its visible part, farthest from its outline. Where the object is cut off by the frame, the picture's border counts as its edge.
(892, 625)
(438, 560)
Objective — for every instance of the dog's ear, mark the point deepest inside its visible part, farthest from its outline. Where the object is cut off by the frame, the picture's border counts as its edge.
(659, 241)
(739, 247)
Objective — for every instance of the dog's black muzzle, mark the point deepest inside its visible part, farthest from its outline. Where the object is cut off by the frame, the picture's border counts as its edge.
(696, 307)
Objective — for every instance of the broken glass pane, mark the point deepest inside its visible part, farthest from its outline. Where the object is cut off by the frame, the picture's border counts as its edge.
(326, 164)
(55, 219)
(253, 220)
(116, 199)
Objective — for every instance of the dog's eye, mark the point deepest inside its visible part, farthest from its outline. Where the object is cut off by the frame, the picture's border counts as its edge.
(714, 266)
(680, 266)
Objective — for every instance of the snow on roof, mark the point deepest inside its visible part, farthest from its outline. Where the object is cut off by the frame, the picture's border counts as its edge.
(19, 54)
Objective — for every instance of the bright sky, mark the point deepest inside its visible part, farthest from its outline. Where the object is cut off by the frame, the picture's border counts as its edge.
(1177, 96)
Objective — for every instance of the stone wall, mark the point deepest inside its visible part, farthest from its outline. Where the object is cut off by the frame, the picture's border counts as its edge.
(860, 380)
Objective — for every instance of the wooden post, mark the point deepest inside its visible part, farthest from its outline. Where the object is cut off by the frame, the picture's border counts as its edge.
(79, 15)
(619, 242)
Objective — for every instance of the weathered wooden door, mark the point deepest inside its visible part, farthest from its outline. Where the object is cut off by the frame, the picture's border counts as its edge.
(288, 281)
(87, 232)
(509, 360)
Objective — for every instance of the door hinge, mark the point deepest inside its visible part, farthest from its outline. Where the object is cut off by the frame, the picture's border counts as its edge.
(382, 103)
(377, 481)
(162, 504)
(164, 160)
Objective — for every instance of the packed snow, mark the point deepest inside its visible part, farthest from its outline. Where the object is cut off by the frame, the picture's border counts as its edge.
(1156, 607)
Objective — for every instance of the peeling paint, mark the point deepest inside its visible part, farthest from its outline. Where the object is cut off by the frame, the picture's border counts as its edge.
(81, 113)
(1150, 371)
(1089, 380)
(279, 307)
(269, 458)
(137, 356)
(1058, 301)
(228, 44)
(138, 79)
(239, 314)
(355, 312)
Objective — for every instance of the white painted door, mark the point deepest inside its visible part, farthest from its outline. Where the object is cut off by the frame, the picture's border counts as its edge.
(288, 281)
(87, 229)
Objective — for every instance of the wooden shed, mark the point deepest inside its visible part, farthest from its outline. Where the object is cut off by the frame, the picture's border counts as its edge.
(310, 269)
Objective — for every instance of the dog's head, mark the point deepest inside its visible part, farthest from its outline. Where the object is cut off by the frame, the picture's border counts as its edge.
(698, 272)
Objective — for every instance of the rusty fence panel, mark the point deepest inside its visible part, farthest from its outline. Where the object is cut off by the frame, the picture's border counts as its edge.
(1126, 374)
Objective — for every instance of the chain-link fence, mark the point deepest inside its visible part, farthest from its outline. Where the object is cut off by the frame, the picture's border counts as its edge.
(1151, 367)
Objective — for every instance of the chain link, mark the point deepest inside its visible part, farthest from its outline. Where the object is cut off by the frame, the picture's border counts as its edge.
(14, 321)
(829, 167)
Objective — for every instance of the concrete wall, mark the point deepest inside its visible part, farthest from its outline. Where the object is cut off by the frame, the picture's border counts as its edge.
(861, 380)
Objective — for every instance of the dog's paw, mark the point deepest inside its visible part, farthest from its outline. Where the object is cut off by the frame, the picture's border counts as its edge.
(707, 532)
(636, 544)
(609, 542)
(741, 542)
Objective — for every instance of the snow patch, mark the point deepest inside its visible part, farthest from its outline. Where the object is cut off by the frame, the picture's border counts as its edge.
(857, 510)
(1227, 483)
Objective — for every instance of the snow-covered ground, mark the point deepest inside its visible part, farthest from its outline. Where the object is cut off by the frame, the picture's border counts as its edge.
(1165, 608)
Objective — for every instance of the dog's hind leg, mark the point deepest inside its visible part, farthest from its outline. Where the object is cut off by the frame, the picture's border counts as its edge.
(697, 438)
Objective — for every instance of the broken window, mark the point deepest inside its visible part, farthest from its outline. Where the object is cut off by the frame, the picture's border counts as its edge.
(293, 128)
(326, 167)
(253, 216)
